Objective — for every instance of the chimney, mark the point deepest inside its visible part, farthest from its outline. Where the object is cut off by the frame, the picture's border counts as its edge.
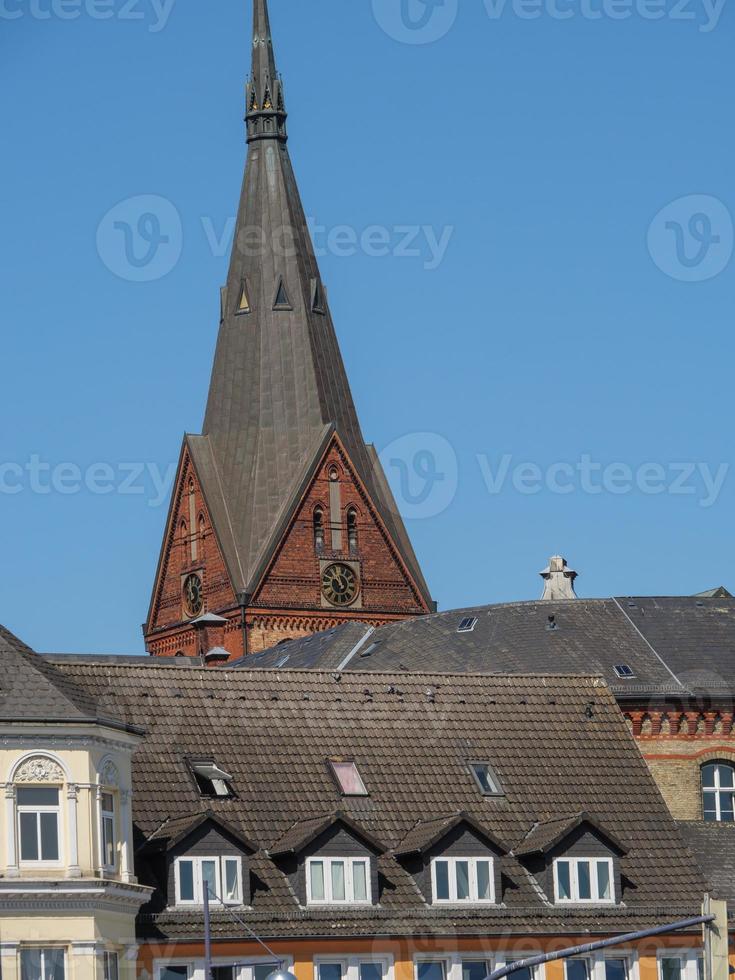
(211, 636)
(558, 580)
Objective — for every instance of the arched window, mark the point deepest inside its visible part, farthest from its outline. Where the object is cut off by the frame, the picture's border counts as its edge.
(718, 790)
(318, 530)
(352, 530)
(38, 784)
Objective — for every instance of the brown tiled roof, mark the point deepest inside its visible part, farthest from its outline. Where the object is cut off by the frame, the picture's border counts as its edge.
(428, 832)
(558, 745)
(176, 830)
(305, 831)
(546, 835)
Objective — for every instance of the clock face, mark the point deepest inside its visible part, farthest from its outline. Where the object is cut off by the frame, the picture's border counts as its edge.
(193, 596)
(339, 584)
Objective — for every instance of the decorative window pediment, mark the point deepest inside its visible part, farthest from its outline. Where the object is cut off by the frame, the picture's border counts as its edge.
(39, 769)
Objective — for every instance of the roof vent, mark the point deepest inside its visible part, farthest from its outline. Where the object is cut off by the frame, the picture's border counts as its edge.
(558, 580)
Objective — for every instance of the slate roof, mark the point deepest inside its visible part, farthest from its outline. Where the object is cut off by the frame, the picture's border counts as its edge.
(713, 845)
(32, 689)
(557, 743)
(674, 645)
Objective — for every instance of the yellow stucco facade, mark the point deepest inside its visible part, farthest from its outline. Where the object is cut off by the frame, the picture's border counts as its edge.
(68, 890)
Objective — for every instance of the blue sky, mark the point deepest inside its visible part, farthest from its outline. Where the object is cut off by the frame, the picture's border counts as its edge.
(557, 379)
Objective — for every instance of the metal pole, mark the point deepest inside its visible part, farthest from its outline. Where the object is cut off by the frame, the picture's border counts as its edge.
(629, 937)
(707, 943)
(207, 936)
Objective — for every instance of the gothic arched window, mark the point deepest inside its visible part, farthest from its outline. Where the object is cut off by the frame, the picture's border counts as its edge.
(318, 530)
(718, 791)
(352, 530)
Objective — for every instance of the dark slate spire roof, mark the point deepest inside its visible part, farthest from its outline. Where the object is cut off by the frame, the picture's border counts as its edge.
(279, 387)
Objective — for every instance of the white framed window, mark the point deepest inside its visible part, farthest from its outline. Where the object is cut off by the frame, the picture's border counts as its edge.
(578, 968)
(110, 966)
(223, 968)
(582, 880)
(353, 968)
(222, 875)
(39, 811)
(718, 792)
(453, 966)
(108, 831)
(526, 972)
(338, 881)
(433, 968)
(679, 964)
(616, 967)
(462, 879)
(42, 964)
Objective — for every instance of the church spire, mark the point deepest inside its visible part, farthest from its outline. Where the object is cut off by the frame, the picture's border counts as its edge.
(281, 473)
(266, 108)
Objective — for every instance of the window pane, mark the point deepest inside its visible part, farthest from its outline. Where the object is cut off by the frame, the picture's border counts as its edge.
(442, 883)
(330, 971)
(30, 964)
(474, 969)
(232, 889)
(338, 881)
(263, 970)
(53, 964)
(603, 880)
(670, 968)
(49, 837)
(186, 881)
(174, 973)
(29, 837)
(708, 775)
(316, 873)
(577, 970)
(209, 878)
(349, 779)
(726, 809)
(463, 880)
(710, 806)
(583, 879)
(108, 836)
(430, 969)
(700, 968)
(359, 881)
(371, 971)
(523, 974)
(111, 966)
(563, 879)
(484, 891)
(223, 973)
(108, 802)
(616, 969)
(726, 775)
(37, 796)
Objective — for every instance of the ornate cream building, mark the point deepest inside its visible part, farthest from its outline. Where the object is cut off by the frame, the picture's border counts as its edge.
(68, 890)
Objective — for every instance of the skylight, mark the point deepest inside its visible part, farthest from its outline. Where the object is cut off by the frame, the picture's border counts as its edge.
(211, 780)
(624, 671)
(348, 778)
(467, 624)
(487, 781)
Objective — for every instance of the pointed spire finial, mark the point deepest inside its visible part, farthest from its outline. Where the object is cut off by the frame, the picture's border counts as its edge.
(266, 110)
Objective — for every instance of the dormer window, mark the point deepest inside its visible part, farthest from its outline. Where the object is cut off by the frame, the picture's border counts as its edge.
(211, 780)
(462, 879)
(584, 880)
(348, 778)
(338, 881)
(222, 875)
